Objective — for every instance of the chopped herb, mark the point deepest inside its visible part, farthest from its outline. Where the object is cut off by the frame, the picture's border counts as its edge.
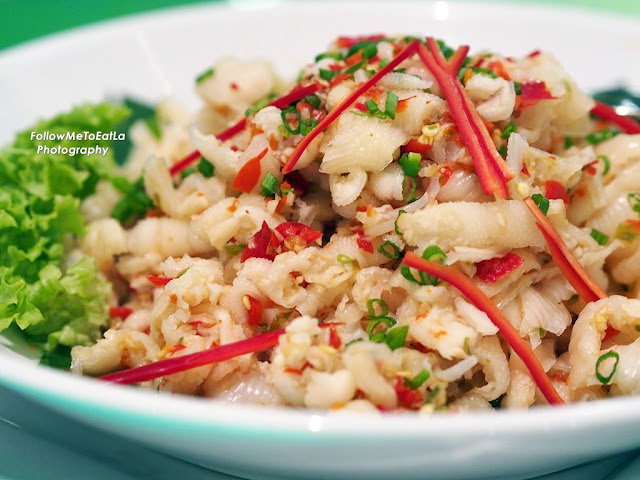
(374, 304)
(517, 86)
(373, 324)
(508, 130)
(634, 201)
(568, 143)
(390, 105)
(186, 172)
(502, 150)
(327, 74)
(206, 168)
(384, 62)
(484, 71)
(356, 66)
(396, 337)
(410, 194)
(346, 260)
(433, 394)
(313, 100)
(447, 51)
(432, 253)
(285, 120)
(606, 162)
(269, 185)
(334, 55)
(417, 381)
(599, 237)
(542, 202)
(369, 49)
(410, 163)
(573, 299)
(601, 135)
(389, 250)
(307, 125)
(606, 379)
(259, 105)
(204, 75)
(395, 224)
(353, 341)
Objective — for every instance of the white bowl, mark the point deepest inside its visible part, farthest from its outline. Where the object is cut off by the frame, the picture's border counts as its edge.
(159, 54)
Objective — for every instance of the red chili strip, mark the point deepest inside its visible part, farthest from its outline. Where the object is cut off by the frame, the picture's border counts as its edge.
(490, 167)
(576, 275)
(249, 173)
(296, 94)
(345, 104)
(185, 162)
(198, 359)
(608, 113)
(120, 312)
(159, 281)
(484, 303)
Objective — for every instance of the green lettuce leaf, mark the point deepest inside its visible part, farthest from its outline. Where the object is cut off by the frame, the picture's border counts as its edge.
(56, 306)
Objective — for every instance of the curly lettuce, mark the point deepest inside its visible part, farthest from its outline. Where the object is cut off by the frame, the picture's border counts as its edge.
(55, 305)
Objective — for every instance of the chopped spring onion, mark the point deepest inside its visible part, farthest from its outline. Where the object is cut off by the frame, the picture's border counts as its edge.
(381, 306)
(389, 250)
(346, 260)
(601, 135)
(269, 185)
(634, 201)
(410, 163)
(542, 202)
(606, 379)
(599, 237)
(313, 100)
(388, 321)
(508, 130)
(568, 143)
(234, 249)
(395, 224)
(391, 104)
(204, 75)
(517, 86)
(327, 74)
(417, 381)
(606, 162)
(285, 120)
(409, 189)
(307, 125)
(396, 337)
(334, 55)
(433, 253)
(502, 150)
(206, 168)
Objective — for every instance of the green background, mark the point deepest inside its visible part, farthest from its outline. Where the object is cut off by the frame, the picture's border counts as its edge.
(23, 20)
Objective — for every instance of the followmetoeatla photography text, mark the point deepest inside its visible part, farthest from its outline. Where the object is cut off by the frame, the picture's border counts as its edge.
(75, 136)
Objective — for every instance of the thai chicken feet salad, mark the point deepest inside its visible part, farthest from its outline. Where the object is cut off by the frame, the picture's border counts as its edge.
(406, 226)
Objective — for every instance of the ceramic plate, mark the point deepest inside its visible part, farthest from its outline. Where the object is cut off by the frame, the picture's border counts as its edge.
(157, 55)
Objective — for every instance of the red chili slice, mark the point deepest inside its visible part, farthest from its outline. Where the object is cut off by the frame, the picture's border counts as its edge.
(407, 397)
(255, 310)
(159, 281)
(290, 229)
(555, 191)
(263, 244)
(120, 312)
(498, 268)
(363, 242)
(249, 174)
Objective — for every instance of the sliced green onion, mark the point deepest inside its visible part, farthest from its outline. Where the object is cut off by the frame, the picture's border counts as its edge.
(542, 202)
(346, 260)
(433, 394)
(568, 143)
(384, 62)
(601, 135)
(285, 121)
(606, 162)
(206, 168)
(391, 104)
(313, 100)
(388, 321)
(517, 87)
(502, 150)
(327, 74)
(307, 125)
(204, 75)
(417, 381)
(395, 224)
(234, 249)
(396, 337)
(334, 55)
(484, 71)
(269, 185)
(434, 253)
(259, 105)
(369, 49)
(389, 250)
(634, 201)
(601, 378)
(356, 66)
(410, 163)
(599, 237)
(410, 195)
(380, 304)
(508, 130)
